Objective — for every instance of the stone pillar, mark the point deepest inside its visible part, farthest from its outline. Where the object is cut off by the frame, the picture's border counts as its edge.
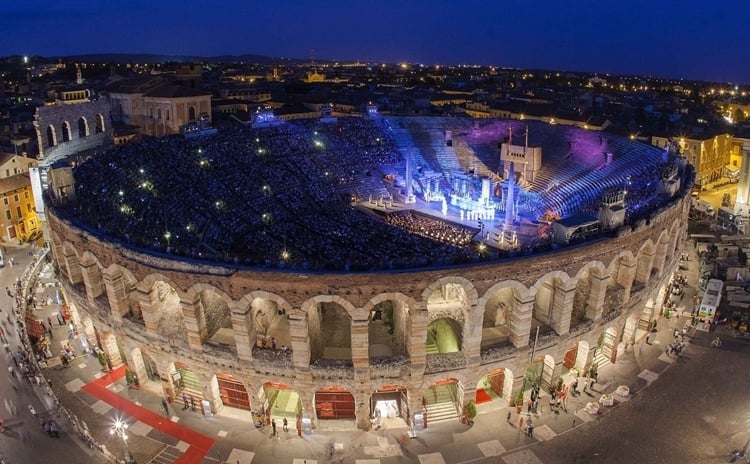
(300, 341)
(362, 409)
(307, 398)
(114, 285)
(660, 256)
(244, 333)
(645, 262)
(150, 305)
(520, 320)
(211, 392)
(88, 330)
(416, 403)
(72, 267)
(625, 278)
(562, 307)
(109, 345)
(597, 294)
(472, 334)
(193, 318)
(92, 281)
(360, 344)
(416, 341)
(137, 365)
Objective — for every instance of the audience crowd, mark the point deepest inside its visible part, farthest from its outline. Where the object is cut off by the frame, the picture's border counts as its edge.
(270, 196)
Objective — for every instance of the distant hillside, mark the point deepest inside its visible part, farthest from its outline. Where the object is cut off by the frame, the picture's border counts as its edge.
(154, 58)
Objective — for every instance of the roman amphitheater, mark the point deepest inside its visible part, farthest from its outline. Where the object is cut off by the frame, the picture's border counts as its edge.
(262, 269)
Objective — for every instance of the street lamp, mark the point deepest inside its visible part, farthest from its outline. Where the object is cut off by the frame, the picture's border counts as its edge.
(120, 428)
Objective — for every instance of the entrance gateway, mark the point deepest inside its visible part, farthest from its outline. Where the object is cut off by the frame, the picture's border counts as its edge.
(389, 402)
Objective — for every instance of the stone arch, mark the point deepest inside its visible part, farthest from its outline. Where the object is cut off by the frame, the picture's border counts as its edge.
(674, 237)
(51, 136)
(260, 316)
(551, 302)
(99, 123)
(448, 289)
(162, 310)
(329, 327)
(213, 314)
(83, 127)
(645, 266)
(389, 322)
(67, 134)
(450, 303)
(506, 315)
(497, 384)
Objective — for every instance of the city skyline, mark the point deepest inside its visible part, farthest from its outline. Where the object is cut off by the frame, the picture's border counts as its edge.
(647, 38)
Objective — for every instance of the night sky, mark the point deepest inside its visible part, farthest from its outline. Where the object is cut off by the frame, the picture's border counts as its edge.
(667, 38)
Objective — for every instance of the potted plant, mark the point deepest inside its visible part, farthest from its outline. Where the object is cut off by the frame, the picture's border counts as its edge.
(102, 360)
(519, 402)
(129, 377)
(470, 411)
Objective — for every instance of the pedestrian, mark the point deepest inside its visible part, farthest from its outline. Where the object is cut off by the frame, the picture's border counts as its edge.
(285, 425)
(60, 320)
(49, 321)
(192, 402)
(32, 410)
(648, 339)
(299, 428)
(184, 402)
(531, 432)
(165, 406)
(528, 407)
(273, 343)
(520, 423)
(508, 416)
(684, 331)
(273, 427)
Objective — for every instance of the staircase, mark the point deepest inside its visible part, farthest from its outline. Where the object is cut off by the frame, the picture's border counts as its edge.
(441, 404)
(601, 359)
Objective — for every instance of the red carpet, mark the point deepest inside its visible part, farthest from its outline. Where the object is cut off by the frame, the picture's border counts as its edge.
(483, 396)
(199, 443)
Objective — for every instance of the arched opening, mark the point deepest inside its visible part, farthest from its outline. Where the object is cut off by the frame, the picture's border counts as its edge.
(541, 372)
(495, 385)
(191, 113)
(218, 319)
(606, 348)
(99, 123)
(441, 401)
(51, 136)
(387, 329)
(582, 310)
(389, 406)
(443, 336)
(271, 325)
(152, 371)
(279, 401)
(232, 392)
(187, 385)
(66, 133)
(83, 127)
(334, 402)
(496, 326)
(329, 327)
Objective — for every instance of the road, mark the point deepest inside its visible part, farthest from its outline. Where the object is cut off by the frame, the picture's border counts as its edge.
(23, 440)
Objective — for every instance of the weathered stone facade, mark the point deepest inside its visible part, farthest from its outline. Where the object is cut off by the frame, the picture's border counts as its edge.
(64, 130)
(212, 318)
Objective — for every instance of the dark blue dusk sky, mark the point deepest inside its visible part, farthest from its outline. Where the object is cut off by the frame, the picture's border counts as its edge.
(669, 38)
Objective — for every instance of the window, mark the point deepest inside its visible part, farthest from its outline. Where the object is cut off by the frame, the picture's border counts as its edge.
(7, 173)
(167, 115)
(18, 212)
(15, 197)
(7, 214)
(5, 201)
(26, 194)
(158, 114)
(29, 207)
